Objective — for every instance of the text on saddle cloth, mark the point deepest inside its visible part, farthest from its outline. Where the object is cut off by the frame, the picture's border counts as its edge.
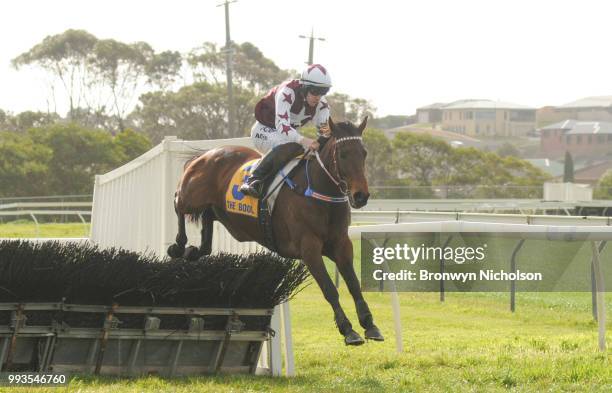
(237, 202)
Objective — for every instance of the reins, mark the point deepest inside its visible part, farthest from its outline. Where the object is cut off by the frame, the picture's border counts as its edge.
(338, 182)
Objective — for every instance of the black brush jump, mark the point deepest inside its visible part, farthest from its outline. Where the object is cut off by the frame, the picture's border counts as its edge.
(77, 308)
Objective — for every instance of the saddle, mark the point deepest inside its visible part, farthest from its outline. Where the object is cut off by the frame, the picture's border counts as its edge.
(260, 209)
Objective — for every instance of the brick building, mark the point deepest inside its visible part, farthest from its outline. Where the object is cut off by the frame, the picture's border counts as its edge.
(585, 109)
(580, 138)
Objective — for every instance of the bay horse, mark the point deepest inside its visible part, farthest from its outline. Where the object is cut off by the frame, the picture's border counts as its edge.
(304, 228)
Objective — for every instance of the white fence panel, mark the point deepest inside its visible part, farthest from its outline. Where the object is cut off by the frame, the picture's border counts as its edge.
(133, 205)
(133, 208)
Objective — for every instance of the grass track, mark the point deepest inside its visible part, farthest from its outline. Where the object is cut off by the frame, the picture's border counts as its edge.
(471, 342)
(26, 229)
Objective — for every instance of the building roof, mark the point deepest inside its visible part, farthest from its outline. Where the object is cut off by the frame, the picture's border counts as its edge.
(562, 125)
(485, 104)
(581, 166)
(590, 102)
(592, 173)
(553, 168)
(436, 105)
(591, 127)
(574, 127)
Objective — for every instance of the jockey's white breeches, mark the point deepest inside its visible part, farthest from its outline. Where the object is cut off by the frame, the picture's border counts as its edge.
(267, 138)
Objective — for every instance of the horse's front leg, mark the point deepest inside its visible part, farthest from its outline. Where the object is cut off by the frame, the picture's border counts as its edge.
(311, 248)
(342, 254)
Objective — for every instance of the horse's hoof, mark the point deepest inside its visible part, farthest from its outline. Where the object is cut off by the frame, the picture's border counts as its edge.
(353, 338)
(174, 251)
(374, 333)
(192, 253)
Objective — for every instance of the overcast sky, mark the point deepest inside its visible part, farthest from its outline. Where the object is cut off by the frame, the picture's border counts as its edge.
(398, 54)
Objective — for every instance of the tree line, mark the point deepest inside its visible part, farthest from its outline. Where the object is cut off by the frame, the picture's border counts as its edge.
(62, 158)
(124, 97)
(112, 85)
(424, 163)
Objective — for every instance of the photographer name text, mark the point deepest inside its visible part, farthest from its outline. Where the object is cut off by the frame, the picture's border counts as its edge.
(481, 275)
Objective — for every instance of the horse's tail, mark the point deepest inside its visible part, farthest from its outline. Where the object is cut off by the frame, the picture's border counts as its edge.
(192, 217)
(195, 217)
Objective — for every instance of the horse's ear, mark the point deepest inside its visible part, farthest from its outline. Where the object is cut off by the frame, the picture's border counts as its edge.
(362, 126)
(332, 125)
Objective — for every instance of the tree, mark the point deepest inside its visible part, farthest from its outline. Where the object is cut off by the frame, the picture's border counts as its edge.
(426, 161)
(344, 107)
(568, 168)
(479, 174)
(3, 121)
(130, 144)
(101, 78)
(604, 186)
(508, 149)
(25, 120)
(23, 166)
(120, 68)
(163, 68)
(390, 121)
(251, 69)
(421, 158)
(66, 57)
(378, 162)
(77, 155)
(97, 119)
(197, 111)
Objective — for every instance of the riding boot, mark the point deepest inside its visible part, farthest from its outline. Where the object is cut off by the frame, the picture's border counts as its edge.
(269, 165)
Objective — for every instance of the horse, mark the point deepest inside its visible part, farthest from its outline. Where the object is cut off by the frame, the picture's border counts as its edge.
(304, 228)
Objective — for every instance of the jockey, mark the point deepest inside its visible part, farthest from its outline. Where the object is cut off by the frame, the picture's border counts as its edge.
(279, 114)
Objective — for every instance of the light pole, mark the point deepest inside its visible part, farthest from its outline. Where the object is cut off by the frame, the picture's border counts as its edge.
(228, 69)
(311, 46)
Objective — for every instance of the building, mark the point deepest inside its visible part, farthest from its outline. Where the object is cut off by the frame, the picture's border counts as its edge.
(488, 118)
(581, 138)
(586, 171)
(430, 113)
(585, 109)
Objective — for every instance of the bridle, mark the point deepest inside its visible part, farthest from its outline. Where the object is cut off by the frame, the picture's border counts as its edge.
(339, 181)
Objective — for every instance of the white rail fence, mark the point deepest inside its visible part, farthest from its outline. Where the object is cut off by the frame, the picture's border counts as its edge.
(596, 235)
(402, 216)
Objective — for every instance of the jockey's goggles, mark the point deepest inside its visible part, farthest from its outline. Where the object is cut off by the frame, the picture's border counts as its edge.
(318, 91)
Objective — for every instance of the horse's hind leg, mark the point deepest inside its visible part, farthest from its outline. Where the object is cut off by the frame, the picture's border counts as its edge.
(193, 253)
(177, 249)
(208, 219)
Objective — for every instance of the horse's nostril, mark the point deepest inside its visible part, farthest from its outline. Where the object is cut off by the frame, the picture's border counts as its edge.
(361, 197)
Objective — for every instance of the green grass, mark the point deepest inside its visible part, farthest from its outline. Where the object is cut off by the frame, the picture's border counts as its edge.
(471, 342)
(25, 229)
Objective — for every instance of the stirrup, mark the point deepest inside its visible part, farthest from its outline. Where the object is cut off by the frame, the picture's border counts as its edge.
(252, 188)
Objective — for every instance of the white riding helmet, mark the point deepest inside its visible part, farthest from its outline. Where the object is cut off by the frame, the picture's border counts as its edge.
(316, 75)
